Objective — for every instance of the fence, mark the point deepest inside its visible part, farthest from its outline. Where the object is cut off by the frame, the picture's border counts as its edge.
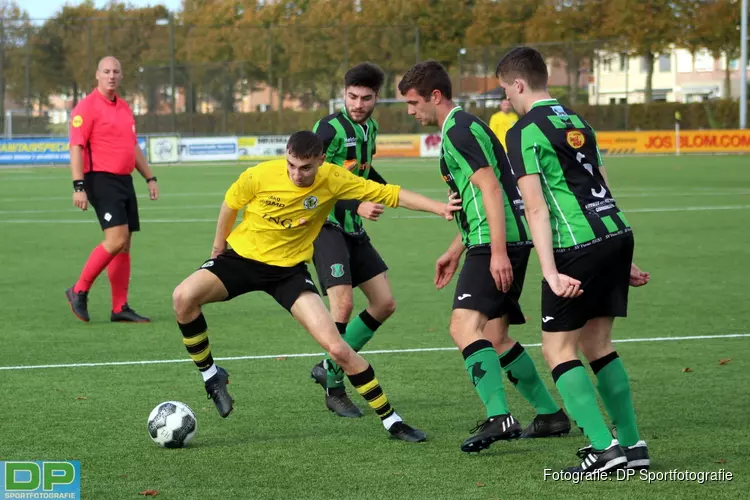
(202, 80)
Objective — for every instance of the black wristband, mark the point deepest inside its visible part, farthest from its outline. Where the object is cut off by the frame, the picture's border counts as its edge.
(150, 179)
(78, 186)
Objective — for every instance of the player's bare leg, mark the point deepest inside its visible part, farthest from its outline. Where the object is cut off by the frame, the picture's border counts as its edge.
(483, 366)
(310, 311)
(550, 419)
(116, 238)
(200, 288)
(560, 349)
(613, 384)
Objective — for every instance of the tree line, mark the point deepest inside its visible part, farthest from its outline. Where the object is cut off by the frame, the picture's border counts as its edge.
(302, 48)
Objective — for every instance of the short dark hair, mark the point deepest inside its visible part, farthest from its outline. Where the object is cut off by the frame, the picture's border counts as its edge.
(526, 63)
(305, 144)
(425, 77)
(365, 75)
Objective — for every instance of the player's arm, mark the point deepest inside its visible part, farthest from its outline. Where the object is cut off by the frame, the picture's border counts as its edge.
(523, 153)
(447, 264)
(239, 194)
(464, 147)
(346, 185)
(80, 132)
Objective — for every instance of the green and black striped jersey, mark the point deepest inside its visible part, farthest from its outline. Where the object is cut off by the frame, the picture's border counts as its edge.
(350, 145)
(468, 144)
(552, 141)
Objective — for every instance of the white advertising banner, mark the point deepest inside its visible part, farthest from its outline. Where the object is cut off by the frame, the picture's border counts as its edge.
(208, 149)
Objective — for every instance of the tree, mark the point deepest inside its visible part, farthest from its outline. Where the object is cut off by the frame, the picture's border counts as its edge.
(717, 30)
(569, 31)
(14, 34)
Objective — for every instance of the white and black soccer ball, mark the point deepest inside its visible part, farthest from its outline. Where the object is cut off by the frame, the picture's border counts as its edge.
(172, 424)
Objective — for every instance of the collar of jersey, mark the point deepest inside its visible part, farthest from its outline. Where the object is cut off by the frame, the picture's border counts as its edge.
(104, 97)
(448, 117)
(544, 102)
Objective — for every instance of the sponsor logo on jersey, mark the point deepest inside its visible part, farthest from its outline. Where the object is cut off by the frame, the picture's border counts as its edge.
(350, 142)
(77, 121)
(575, 138)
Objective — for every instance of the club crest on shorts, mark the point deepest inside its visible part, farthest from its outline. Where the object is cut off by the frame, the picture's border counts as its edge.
(208, 263)
(310, 202)
(337, 270)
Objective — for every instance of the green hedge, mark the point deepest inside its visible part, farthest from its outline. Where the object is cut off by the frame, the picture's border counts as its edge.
(716, 114)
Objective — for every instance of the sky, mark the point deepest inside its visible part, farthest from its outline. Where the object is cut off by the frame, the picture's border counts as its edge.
(42, 9)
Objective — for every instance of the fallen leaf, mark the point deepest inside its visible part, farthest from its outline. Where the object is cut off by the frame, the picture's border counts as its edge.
(721, 461)
(149, 493)
(431, 330)
(123, 476)
(528, 318)
(281, 358)
(686, 370)
(481, 485)
(79, 398)
(725, 361)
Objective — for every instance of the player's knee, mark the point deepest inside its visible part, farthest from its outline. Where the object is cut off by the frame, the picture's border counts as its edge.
(116, 243)
(340, 352)
(182, 300)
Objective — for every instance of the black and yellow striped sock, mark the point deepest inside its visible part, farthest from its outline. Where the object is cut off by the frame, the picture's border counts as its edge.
(195, 338)
(367, 385)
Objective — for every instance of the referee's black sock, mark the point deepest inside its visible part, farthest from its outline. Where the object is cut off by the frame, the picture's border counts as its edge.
(195, 338)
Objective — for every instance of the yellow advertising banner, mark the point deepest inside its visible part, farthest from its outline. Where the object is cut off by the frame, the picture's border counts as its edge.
(399, 146)
(665, 142)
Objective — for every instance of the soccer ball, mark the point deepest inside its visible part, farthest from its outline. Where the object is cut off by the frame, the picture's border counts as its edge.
(172, 424)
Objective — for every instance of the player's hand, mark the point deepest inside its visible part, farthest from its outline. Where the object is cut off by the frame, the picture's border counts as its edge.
(564, 286)
(502, 271)
(153, 190)
(445, 268)
(216, 250)
(80, 200)
(638, 277)
(370, 210)
(453, 205)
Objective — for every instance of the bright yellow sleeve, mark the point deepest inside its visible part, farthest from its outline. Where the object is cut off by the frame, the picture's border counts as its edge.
(494, 123)
(242, 191)
(346, 186)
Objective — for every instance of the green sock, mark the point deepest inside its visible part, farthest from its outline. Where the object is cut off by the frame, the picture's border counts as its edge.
(520, 370)
(579, 397)
(614, 388)
(483, 367)
(356, 334)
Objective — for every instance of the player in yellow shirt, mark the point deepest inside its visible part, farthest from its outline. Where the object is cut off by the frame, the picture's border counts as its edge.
(503, 120)
(286, 203)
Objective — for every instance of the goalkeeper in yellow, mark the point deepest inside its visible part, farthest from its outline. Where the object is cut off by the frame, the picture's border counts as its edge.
(285, 205)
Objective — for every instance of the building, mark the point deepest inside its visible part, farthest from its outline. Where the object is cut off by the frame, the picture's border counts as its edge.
(679, 76)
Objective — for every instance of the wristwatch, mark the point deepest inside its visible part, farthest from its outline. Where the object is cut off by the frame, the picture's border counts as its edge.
(150, 179)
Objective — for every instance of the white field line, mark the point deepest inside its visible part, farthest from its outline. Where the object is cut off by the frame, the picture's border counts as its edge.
(317, 354)
(416, 216)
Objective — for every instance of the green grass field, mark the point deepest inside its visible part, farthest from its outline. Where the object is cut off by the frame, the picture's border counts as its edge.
(691, 217)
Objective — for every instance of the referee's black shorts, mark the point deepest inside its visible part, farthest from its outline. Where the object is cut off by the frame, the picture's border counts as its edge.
(604, 272)
(240, 276)
(113, 198)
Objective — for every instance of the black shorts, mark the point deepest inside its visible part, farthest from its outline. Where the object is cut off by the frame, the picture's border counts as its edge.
(341, 259)
(604, 271)
(476, 289)
(240, 275)
(113, 198)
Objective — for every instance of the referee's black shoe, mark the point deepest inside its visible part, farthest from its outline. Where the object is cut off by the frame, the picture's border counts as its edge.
(498, 428)
(552, 425)
(79, 304)
(216, 388)
(128, 315)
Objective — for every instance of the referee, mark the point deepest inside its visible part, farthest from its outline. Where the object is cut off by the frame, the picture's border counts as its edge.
(103, 152)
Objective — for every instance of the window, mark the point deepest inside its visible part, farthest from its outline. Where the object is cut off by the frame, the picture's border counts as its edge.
(623, 100)
(684, 61)
(644, 64)
(613, 100)
(704, 61)
(607, 65)
(665, 63)
(623, 62)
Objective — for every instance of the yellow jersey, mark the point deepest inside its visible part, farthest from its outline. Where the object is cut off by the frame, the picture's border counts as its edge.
(281, 220)
(500, 123)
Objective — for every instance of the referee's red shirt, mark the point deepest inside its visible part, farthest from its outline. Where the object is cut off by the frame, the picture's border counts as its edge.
(106, 131)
